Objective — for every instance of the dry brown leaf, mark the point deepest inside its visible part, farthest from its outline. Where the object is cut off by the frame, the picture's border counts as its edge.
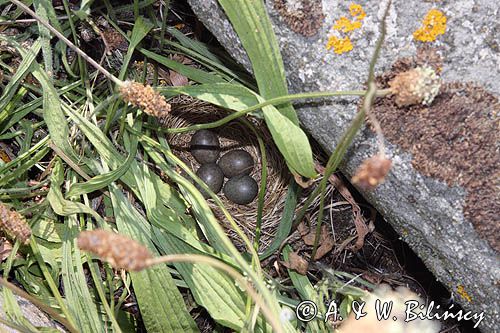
(177, 79)
(297, 263)
(325, 248)
(5, 248)
(324, 234)
(303, 182)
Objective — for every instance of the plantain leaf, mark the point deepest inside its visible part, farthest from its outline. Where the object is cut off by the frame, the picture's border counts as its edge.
(192, 73)
(100, 181)
(161, 304)
(252, 24)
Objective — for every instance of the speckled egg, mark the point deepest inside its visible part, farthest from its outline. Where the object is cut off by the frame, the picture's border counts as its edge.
(212, 175)
(236, 162)
(241, 189)
(205, 146)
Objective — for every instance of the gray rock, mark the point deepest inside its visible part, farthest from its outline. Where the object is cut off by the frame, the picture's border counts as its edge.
(425, 211)
(32, 313)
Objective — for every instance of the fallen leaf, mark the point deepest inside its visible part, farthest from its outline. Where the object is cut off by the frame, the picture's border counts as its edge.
(296, 263)
(325, 248)
(324, 234)
(303, 182)
(177, 79)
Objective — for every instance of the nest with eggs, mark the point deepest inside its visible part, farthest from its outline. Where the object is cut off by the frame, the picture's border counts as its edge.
(187, 111)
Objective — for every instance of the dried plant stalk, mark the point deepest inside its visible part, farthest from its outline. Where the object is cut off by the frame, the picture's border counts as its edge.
(14, 224)
(118, 250)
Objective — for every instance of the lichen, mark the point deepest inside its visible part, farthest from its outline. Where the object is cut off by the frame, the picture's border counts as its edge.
(339, 45)
(462, 292)
(341, 41)
(345, 25)
(433, 25)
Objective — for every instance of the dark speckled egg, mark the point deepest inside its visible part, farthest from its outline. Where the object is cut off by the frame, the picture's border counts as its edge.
(241, 189)
(205, 146)
(212, 175)
(236, 162)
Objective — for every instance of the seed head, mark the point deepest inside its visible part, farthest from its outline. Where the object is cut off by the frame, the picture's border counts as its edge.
(118, 250)
(418, 85)
(14, 224)
(145, 98)
(372, 172)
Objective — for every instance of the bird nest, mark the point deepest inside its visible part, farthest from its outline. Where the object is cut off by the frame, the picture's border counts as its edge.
(236, 135)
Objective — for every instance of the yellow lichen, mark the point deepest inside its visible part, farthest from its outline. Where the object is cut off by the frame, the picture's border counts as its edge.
(462, 292)
(339, 45)
(357, 11)
(433, 25)
(345, 25)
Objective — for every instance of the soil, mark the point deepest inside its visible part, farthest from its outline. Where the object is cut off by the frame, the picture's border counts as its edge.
(456, 139)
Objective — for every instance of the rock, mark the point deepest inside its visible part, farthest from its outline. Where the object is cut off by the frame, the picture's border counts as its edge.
(32, 313)
(428, 212)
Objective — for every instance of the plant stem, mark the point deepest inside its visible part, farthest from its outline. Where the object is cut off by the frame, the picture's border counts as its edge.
(272, 101)
(75, 48)
(346, 140)
(242, 281)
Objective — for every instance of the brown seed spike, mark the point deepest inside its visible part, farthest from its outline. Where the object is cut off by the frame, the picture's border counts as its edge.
(372, 172)
(14, 224)
(119, 251)
(145, 98)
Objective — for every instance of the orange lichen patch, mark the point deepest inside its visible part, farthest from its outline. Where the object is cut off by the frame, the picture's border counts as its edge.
(433, 25)
(339, 45)
(462, 292)
(357, 11)
(345, 25)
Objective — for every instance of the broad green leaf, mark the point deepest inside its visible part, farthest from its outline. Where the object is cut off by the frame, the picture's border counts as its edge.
(77, 294)
(252, 24)
(100, 181)
(212, 289)
(291, 141)
(192, 73)
(228, 95)
(62, 206)
(47, 230)
(161, 304)
(79, 300)
(53, 114)
(141, 29)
